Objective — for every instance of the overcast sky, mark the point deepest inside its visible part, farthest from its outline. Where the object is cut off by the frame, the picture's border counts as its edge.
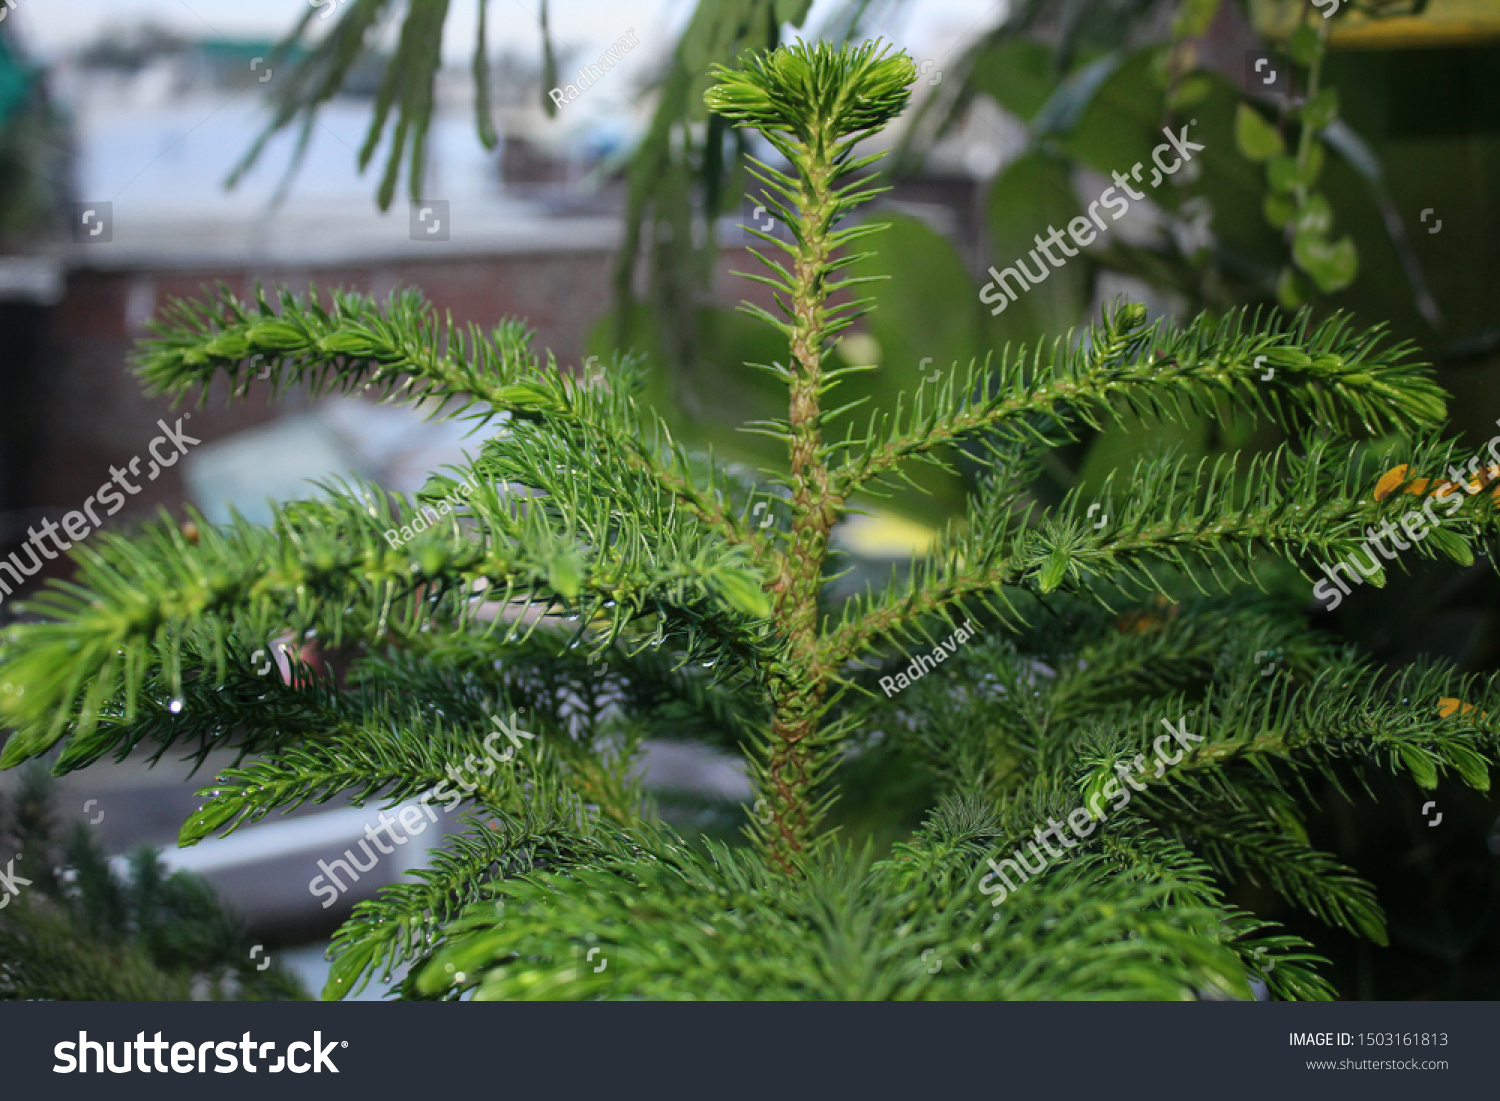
(51, 27)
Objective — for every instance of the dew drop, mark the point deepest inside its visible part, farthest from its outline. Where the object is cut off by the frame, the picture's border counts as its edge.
(175, 706)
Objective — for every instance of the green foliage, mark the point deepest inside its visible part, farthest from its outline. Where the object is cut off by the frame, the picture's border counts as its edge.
(816, 94)
(81, 932)
(32, 154)
(407, 85)
(619, 588)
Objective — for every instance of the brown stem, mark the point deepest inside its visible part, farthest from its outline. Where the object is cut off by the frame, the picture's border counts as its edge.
(798, 690)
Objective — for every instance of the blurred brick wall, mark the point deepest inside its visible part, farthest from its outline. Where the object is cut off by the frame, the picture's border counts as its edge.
(87, 411)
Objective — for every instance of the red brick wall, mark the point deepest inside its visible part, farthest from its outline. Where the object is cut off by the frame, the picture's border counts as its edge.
(93, 413)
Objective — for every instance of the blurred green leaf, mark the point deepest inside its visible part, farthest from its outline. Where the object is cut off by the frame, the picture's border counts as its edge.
(1322, 109)
(1332, 266)
(1315, 216)
(1120, 121)
(1256, 138)
(1283, 174)
(1278, 210)
(927, 311)
(1018, 74)
(1192, 90)
(1292, 290)
(1304, 45)
(1031, 195)
(1314, 163)
(1193, 18)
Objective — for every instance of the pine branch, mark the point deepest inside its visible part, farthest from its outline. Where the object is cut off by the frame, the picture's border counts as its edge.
(398, 762)
(404, 923)
(404, 351)
(138, 597)
(1339, 378)
(1240, 842)
(1278, 960)
(408, 85)
(727, 926)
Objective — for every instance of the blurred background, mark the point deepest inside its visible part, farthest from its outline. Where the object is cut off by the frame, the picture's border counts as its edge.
(613, 222)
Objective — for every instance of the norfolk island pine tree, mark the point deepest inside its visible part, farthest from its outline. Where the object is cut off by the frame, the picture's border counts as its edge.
(613, 585)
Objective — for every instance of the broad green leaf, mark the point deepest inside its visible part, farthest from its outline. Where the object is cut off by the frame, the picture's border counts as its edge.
(1292, 290)
(926, 316)
(1119, 122)
(1314, 163)
(1192, 90)
(1193, 18)
(792, 11)
(1315, 216)
(1081, 90)
(1282, 174)
(1018, 74)
(1305, 45)
(1278, 210)
(1030, 198)
(1332, 266)
(1256, 138)
(1322, 109)
(927, 319)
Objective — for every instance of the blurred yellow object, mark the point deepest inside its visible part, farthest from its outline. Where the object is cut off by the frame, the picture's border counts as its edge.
(1400, 478)
(1447, 705)
(860, 350)
(1443, 23)
(883, 535)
